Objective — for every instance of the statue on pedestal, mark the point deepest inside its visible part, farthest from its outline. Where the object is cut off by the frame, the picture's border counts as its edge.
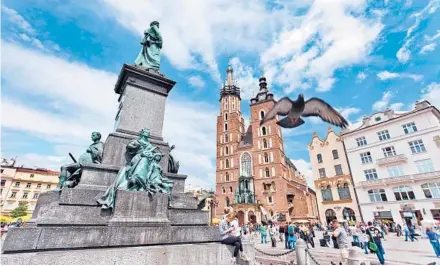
(71, 173)
(149, 56)
(141, 173)
(173, 165)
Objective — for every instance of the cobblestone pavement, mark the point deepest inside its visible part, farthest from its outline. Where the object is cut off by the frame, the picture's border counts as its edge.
(397, 251)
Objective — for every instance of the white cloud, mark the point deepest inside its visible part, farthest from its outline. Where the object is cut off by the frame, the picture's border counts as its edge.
(346, 112)
(306, 169)
(196, 81)
(88, 103)
(384, 75)
(18, 20)
(361, 76)
(384, 103)
(431, 93)
(328, 37)
(244, 75)
(404, 54)
(194, 32)
(428, 48)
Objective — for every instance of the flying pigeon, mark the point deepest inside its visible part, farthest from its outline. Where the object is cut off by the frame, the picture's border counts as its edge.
(293, 110)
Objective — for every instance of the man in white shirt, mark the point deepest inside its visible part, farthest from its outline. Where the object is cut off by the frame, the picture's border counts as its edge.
(341, 238)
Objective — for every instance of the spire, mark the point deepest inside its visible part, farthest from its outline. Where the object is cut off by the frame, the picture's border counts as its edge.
(229, 71)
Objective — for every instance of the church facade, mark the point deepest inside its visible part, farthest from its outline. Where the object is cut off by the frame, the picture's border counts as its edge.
(253, 174)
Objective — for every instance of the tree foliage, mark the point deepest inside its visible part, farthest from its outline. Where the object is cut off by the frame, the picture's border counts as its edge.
(21, 210)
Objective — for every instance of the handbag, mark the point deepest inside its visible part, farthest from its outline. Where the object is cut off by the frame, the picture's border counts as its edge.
(371, 245)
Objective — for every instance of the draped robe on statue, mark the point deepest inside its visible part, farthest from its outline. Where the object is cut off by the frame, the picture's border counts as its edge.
(149, 56)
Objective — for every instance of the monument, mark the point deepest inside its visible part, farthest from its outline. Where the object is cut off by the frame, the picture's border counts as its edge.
(123, 202)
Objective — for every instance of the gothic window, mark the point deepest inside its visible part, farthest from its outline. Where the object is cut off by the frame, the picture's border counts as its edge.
(267, 172)
(266, 157)
(227, 177)
(272, 185)
(226, 150)
(327, 193)
(223, 190)
(246, 164)
(264, 143)
(230, 189)
(246, 185)
(226, 116)
(226, 138)
(227, 163)
(226, 127)
(263, 131)
(261, 115)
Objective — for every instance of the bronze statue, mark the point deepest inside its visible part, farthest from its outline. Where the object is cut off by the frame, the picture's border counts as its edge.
(173, 165)
(70, 174)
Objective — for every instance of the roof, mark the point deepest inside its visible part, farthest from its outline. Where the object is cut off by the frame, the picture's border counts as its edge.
(289, 163)
(246, 139)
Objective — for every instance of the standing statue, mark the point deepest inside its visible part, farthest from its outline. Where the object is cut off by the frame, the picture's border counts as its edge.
(71, 173)
(149, 56)
(173, 165)
(141, 173)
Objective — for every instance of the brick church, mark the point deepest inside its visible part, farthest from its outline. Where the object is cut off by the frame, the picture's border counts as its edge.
(253, 174)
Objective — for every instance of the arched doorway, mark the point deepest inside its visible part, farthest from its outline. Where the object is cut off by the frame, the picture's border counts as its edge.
(251, 217)
(240, 216)
(349, 214)
(330, 215)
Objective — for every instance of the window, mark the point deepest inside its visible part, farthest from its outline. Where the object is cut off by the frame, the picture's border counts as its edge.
(48, 186)
(409, 128)
(226, 138)
(335, 154)
(246, 164)
(424, 166)
(417, 146)
(2, 170)
(383, 135)
(227, 163)
(267, 172)
(263, 131)
(25, 195)
(361, 141)
(431, 190)
(270, 199)
(266, 157)
(38, 185)
(223, 190)
(227, 177)
(370, 174)
(264, 143)
(327, 193)
(338, 169)
(226, 116)
(261, 115)
(230, 189)
(389, 151)
(377, 118)
(17, 184)
(395, 170)
(28, 185)
(226, 150)
(36, 196)
(13, 194)
(32, 175)
(366, 157)
(3, 182)
(344, 191)
(403, 193)
(377, 195)
(226, 127)
(319, 157)
(321, 172)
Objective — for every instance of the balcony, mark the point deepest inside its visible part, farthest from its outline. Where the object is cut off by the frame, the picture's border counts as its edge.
(392, 159)
(386, 181)
(426, 176)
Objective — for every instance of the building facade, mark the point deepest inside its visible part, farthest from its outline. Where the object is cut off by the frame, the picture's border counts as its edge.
(332, 179)
(24, 185)
(253, 173)
(395, 163)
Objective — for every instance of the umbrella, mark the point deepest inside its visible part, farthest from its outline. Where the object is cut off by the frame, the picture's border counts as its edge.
(5, 219)
(23, 218)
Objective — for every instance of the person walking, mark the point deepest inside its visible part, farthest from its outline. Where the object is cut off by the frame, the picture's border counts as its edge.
(272, 233)
(291, 236)
(405, 231)
(286, 236)
(311, 234)
(341, 238)
(263, 232)
(229, 239)
(374, 234)
(399, 230)
(412, 233)
(433, 239)
(363, 239)
(281, 232)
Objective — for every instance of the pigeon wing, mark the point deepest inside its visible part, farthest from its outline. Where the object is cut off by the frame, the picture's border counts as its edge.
(282, 107)
(317, 107)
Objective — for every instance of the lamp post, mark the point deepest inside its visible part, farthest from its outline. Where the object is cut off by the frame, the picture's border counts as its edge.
(212, 204)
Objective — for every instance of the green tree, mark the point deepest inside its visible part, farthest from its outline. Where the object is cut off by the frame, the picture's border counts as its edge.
(21, 210)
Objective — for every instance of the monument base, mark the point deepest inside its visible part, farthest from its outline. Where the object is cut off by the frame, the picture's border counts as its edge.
(186, 254)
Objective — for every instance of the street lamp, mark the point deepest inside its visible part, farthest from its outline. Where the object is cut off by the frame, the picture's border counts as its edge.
(212, 204)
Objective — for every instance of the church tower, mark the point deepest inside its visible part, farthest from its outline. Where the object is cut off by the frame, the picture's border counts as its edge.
(230, 127)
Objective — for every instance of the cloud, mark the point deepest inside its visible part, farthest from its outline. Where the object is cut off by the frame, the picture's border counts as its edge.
(431, 93)
(328, 37)
(361, 76)
(384, 75)
(244, 75)
(404, 54)
(428, 48)
(384, 103)
(196, 81)
(18, 20)
(305, 168)
(87, 103)
(346, 112)
(194, 32)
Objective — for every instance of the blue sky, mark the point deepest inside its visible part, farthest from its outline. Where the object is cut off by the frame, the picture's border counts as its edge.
(60, 60)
